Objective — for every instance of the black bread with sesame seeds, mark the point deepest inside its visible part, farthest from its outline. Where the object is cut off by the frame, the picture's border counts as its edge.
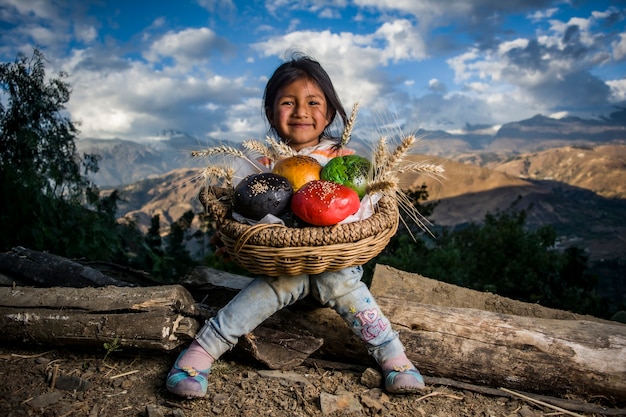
(260, 194)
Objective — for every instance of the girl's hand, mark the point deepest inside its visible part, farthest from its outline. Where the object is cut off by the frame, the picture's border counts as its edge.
(220, 249)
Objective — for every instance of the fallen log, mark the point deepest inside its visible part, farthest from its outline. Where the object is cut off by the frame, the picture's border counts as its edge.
(160, 317)
(585, 356)
(44, 269)
(528, 354)
(533, 354)
(148, 317)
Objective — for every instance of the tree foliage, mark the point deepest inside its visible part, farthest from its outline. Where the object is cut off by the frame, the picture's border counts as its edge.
(48, 200)
(503, 256)
(45, 187)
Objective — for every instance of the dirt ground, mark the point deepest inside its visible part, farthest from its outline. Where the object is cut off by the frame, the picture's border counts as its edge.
(96, 382)
(40, 381)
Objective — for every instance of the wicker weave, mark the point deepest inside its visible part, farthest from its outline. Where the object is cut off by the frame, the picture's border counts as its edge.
(275, 250)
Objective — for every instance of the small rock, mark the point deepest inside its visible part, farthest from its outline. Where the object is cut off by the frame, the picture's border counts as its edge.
(345, 402)
(71, 383)
(127, 384)
(42, 360)
(284, 375)
(374, 399)
(44, 400)
(220, 397)
(371, 378)
(153, 410)
(177, 412)
(526, 412)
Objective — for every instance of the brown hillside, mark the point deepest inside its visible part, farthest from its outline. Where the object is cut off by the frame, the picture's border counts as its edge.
(468, 192)
(169, 196)
(601, 169)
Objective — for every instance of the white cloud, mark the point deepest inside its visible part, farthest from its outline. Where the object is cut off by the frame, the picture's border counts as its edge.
(320, 7)
(542, 14)
(437, 86)
(39, 8)
(619, 47)
(618, 90)
(85, 33)
(187, 47)
(134, 100)
(403, 42)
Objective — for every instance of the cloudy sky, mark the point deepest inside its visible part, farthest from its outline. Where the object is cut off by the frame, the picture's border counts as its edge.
(199, 66)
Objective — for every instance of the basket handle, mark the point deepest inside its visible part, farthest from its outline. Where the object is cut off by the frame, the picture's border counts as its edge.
(251, 231)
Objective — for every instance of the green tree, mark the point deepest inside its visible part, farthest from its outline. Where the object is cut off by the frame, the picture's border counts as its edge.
(503, 256)
(48, 201)
(178, 259)
(406, 245)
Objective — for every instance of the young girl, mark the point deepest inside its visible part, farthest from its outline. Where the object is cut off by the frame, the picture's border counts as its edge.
(300, 104)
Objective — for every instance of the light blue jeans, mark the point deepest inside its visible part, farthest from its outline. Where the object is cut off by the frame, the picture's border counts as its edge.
(341, 290)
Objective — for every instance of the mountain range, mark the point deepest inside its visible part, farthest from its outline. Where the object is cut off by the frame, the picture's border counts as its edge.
(124, 162)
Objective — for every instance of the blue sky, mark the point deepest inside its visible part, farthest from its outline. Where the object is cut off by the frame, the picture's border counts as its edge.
(199, 66)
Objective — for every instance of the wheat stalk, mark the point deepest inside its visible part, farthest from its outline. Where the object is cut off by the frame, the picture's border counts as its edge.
(347, 131)
(379, 157)
(254, 145)
(386, 163)
(218, 150)
(226, 174)
(432, 170)
(279, 148)
(225, 150)
(399, 153)
(382, 186)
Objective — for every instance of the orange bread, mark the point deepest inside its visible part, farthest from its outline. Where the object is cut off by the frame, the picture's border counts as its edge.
(298, 170)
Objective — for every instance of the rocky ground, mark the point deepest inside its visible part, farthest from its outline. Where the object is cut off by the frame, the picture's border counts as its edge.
(53, 381)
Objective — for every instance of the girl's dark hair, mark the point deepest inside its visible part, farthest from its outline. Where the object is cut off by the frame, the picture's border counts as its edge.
(298, 67)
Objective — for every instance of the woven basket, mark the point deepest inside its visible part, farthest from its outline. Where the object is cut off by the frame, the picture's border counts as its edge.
(277, 250)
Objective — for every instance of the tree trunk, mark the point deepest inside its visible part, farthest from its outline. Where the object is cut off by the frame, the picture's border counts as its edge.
(523, 353)
(30, 267)
(149, 317)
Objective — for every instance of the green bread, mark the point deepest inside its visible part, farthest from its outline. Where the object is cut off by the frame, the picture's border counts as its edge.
(349, 170)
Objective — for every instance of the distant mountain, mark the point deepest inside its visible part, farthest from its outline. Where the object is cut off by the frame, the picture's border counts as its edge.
(125, 162)
(541, 132)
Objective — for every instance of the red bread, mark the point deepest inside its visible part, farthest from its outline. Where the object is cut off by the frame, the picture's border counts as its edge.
(324, 203)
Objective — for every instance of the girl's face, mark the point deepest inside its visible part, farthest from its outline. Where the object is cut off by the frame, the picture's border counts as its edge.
(300, 114)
